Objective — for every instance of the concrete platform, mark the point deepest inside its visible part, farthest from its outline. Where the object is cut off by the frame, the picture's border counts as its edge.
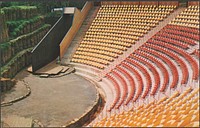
(53, 101)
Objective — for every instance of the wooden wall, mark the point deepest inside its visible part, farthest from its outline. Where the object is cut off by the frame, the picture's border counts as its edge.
(148, 2)
(79, 17)
(193, 3)
(169, 3)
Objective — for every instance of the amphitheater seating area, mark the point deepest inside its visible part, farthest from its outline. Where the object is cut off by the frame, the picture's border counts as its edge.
(178, 110)
(167, 62)
(166, 56)
(116, 28)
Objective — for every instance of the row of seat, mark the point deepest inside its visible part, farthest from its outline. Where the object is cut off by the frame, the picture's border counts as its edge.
(192, 14)
(184, 34)
(187, 29)
(104, 47)
(156, 52)
(168, 61)
(122, 15)
(179, 110)
(119, 44)
(171, 39)
(182, 16)
(140, 6)
(88, 62)
(161, 63)
(106, 39)
(177, 40)
(190, 21)
(108, 58)
(189, 17)
(113, 35)
(103, 52)
(125, 31)
(193, 7)
(128, 19)
(137, 11)
(120, 26)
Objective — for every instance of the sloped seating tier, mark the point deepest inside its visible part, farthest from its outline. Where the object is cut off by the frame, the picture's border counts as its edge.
(169, 38)
(124, 90)
(166, 60)
(117, 90)
(183, 29)
(174, 56)
(184, 34)
(131, 83)
(187, 56)
(179, 110)
(115, 29)
(171, 51)
(152, 69)
(159, 64)
(144, 71)
(125, 95)
(148, 55)
(189, 17)
(139, 80)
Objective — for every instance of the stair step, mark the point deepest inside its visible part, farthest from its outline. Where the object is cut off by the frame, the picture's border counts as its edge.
(80, 34)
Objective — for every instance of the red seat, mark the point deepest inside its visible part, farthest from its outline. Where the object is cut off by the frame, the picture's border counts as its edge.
(117, 89)
(179, 61)
(144, 71)
(159, 65)
(168, 62)
(152, 68)
(139, 78)
(184, 29)
(124, 85)
(165, 37)
(191, 60)
(132, 83)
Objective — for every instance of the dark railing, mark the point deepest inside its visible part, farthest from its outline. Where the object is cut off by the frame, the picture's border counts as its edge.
(48, 49)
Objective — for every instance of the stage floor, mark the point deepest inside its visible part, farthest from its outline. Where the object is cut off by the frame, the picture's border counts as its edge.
(53, 101)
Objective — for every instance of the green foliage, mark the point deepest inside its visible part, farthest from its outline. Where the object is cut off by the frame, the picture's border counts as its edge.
(16, 26)
(4, 46)
(1, 11)
(18, 7)
(14, 59)
(6, 4)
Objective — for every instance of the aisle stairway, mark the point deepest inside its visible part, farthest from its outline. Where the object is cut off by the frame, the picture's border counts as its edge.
(79, 36)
